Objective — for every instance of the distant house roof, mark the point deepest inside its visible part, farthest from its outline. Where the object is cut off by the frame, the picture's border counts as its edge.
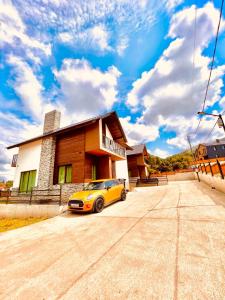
(137, 149)
(118, 130)
(216, 143)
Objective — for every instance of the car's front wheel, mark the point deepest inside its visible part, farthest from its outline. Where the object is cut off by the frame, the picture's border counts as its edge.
(123, 196)
(99, 205)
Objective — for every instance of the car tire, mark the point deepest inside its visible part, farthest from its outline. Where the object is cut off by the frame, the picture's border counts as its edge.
(123, 196)
(99, 205)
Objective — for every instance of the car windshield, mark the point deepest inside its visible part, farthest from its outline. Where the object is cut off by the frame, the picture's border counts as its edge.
(95, 186)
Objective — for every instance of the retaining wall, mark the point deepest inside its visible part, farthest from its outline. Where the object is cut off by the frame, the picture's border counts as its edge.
(214, 181)
(181, 176)
(26, 210)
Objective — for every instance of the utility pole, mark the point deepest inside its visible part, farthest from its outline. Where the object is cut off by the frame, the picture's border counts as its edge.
(192, 152)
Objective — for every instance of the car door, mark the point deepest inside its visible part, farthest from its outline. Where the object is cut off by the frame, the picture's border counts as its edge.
(109, 193)
(115, 191)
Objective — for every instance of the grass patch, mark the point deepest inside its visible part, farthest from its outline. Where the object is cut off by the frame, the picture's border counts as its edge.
(13, 223)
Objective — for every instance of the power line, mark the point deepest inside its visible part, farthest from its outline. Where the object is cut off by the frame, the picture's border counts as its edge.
(212, 63)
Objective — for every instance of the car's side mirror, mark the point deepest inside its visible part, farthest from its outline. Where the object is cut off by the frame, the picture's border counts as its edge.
(108, 187)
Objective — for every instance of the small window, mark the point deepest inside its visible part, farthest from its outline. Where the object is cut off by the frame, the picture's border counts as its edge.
(27, 181)
(223, 147)
(214, 148)
(65, 174)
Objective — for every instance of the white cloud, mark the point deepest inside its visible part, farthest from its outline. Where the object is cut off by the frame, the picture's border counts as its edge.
(138, 133)
(66, 37)
(13, 130)
(96, 37)
(166, 93)
(122, 45)
(13, 29)
(184, 127)
(27, 86)
(171, 4)
(160, 153)
(86, 90)
(77, 19)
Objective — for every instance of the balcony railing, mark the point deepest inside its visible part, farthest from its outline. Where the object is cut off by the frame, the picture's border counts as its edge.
(112, 146)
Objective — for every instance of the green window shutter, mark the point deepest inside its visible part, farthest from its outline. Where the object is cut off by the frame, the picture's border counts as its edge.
(22, 187)
(68, 174)
(61, 174)
(93, 172)
(24, 181)
(31, 181)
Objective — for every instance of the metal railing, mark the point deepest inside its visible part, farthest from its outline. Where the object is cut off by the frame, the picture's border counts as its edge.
(112, 146)
(48, 196)
(148, 181)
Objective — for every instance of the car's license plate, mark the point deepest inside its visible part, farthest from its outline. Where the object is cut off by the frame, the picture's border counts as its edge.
(75, 205)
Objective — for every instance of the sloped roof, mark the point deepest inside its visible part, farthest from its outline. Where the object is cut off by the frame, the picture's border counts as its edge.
(215, 143)
(137, 149)
(84, 123)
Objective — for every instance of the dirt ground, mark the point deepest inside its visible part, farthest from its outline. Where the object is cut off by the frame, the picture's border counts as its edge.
(13, 223)
(164, 242)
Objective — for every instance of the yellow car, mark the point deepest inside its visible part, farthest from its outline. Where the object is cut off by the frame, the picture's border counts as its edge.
(96, 195)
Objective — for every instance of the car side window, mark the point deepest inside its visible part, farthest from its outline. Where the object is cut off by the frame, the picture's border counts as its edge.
(115, 182)
(108, 184)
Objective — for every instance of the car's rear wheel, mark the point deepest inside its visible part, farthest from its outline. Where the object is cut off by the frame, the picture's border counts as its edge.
(99, 205)
(123, 196)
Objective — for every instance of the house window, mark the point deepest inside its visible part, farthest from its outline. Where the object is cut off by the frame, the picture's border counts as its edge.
(27, 181)
(65, 174)
(214, 148)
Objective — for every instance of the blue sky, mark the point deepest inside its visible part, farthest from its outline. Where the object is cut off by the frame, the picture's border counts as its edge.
(88, 57)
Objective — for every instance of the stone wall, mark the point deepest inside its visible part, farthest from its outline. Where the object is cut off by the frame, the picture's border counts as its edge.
(52, 121)
(69, 189)
(47, 160)
(48, 147)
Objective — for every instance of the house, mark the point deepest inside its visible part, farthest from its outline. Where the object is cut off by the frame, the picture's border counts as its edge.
(72, 155)
(212, 150)
(137, 161)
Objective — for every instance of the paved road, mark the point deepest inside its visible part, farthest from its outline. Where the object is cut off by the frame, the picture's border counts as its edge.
(164, 242)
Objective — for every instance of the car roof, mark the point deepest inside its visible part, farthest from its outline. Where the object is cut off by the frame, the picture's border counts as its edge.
(103, 180)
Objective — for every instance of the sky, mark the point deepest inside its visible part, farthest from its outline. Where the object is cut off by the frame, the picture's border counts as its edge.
(142, 58)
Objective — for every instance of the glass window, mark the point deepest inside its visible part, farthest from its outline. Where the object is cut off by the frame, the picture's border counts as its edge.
(27, 181)
(98, 185)
(65, 174)
(109, 183)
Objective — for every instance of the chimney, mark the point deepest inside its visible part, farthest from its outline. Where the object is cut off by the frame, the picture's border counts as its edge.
(52, 121)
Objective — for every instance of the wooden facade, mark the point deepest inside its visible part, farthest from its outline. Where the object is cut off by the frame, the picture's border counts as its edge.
(82, 149)
(136, 160)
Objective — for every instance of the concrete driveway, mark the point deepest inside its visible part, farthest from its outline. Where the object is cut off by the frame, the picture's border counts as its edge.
(164, 242)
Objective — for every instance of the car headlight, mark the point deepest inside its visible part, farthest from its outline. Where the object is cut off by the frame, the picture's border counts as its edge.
(89, 197)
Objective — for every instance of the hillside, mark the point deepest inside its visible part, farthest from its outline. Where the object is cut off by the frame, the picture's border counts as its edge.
(174, 162)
